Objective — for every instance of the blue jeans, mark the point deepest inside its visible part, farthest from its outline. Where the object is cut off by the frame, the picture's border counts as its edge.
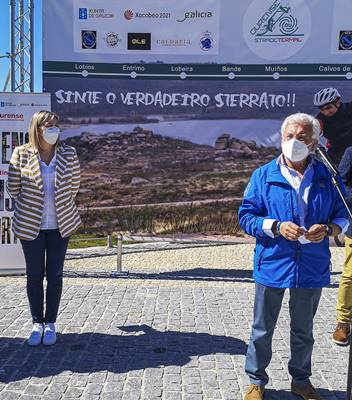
(44, 255)
(303, 305)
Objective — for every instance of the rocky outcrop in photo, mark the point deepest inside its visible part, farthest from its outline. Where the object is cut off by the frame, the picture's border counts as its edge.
(140, 167)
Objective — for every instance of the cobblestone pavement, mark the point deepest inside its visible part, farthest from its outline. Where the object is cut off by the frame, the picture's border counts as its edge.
(175, 327)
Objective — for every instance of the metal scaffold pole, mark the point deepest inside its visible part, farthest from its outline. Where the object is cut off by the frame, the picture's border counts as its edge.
(22, 45)
(31, 47)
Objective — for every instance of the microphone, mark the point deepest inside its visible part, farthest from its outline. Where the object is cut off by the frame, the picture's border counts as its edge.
(326, 160)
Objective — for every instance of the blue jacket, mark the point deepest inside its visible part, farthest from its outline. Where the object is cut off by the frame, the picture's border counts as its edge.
(279, 262)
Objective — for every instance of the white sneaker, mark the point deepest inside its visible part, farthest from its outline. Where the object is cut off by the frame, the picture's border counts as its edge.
(35, 337)
(49, 336)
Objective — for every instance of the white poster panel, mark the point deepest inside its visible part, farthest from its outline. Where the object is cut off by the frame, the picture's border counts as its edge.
(239, 31)
(146, 28)
(16, 110)
(341, 32)
(210, 79)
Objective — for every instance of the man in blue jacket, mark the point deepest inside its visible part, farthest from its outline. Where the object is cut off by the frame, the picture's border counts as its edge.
(291, 207)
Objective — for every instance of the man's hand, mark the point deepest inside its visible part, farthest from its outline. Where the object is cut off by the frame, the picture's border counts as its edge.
(316, 233)
(291, 231)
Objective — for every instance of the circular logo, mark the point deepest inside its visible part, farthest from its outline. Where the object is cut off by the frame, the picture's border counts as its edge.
(128, 14)
(89, 39)
(206, 41)
(112, 39)
(276, 30)
(345, 40)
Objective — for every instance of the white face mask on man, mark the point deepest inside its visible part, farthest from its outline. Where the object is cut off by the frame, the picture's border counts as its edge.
(295, 150)
(51, 134)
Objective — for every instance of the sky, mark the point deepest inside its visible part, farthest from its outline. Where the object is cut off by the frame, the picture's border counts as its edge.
(5, 42)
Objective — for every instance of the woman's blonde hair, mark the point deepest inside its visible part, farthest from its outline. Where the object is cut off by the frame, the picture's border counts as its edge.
(39, 119)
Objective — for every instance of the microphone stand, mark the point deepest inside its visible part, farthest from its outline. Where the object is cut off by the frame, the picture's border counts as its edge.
(325, 159)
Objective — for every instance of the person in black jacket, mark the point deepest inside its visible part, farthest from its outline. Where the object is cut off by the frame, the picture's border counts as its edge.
(344, 302)
(336, 121)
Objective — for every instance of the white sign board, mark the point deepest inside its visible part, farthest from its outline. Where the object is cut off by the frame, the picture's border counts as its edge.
(198, 31)
(146, 28)
(16, 110)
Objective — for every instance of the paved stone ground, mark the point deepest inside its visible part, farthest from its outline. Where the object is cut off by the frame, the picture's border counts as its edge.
(175, 327)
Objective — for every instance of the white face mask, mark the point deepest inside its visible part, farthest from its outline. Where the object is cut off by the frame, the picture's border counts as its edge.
(295, 150)
(51, 134)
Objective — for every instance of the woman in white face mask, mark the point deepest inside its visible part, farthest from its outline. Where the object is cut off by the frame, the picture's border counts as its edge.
(44, 178)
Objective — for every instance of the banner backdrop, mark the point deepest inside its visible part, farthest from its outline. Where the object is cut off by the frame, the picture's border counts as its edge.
(16, 110)
(177, 102)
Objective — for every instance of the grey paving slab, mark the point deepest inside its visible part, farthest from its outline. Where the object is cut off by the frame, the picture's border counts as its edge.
(171, 332)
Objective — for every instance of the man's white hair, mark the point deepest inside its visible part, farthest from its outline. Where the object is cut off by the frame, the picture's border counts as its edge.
(302, 119)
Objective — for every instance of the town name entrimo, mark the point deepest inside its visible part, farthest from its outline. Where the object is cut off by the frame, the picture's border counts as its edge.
(138, 68)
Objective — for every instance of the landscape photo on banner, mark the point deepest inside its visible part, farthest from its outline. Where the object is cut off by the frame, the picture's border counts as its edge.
(169, 116)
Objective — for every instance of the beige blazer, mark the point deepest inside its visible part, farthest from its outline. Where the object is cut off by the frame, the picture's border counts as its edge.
(25, 185)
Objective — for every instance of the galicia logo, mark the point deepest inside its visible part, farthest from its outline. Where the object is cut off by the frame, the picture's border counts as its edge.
(345, 41)
(94, 13)
(8, 104)
(89, 39)
(206, 41)
(195, 15)
(276, 30)
(83, 13)
(128, 14)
